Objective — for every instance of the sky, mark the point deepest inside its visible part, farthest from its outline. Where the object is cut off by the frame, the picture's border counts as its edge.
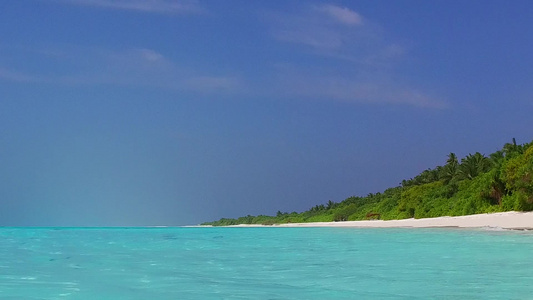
(177, 112)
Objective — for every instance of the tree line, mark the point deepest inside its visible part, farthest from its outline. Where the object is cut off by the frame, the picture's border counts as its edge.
(501, 181)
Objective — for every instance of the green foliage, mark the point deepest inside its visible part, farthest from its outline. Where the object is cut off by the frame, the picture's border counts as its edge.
(343, 213)
(518, 201)
(473, 165)
(319, 218)
(427, 176)
(412, 197)
(517, 174)
(494, 188)
(518, 171)
(503, 181)
(451, 169)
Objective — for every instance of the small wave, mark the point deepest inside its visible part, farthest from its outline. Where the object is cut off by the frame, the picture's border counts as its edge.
(494, 228)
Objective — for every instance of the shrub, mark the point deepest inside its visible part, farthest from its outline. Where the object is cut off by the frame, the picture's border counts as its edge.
(342, 214)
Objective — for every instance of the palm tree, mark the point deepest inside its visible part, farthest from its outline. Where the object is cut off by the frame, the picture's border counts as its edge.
(452, 159)
(330, 204)
(512, 149)
(449, 172)
(473, 165)
(483, 163)
(497, 158)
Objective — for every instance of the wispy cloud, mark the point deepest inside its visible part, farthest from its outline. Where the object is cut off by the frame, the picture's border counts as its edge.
(149, 6)
(336, 32)
(340, 56)
(75, 66)
(342, 15)
(352, 58)
(322, 27)
(214, 83)
(16, 76)
(353, 89)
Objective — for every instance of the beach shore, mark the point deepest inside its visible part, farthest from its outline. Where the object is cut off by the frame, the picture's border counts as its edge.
(504, 220)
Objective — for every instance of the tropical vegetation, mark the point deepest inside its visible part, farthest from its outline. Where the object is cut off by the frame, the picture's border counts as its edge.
(501, 181)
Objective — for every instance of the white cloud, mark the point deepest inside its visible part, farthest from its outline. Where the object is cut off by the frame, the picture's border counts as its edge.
(341, 14)
(213, 83)
(350, 59)
(353, 88)
(334, 32)
(149, 6)
(317, 38)
(326, 28)
(138, 58)
(355, 91)
(16, 76)
(139, 67)
(151, 55)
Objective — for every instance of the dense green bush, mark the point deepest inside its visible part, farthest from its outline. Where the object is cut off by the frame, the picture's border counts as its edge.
(342, 214)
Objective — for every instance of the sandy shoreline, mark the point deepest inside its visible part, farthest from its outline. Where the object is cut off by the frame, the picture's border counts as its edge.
(504, 220)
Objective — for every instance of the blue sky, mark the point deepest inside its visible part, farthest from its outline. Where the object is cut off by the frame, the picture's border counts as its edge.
(164, 112)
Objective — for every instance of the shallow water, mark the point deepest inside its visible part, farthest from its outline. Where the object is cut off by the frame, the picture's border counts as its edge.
(264, 263)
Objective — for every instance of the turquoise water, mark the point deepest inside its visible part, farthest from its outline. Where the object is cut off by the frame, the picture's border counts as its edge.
(264, 263)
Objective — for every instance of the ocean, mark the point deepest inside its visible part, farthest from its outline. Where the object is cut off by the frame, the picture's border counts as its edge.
(264, 263)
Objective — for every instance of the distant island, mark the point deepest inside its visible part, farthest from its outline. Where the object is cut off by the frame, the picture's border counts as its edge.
(502, 181)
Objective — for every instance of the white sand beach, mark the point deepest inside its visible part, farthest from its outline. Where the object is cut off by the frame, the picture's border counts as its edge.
(504, 220)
